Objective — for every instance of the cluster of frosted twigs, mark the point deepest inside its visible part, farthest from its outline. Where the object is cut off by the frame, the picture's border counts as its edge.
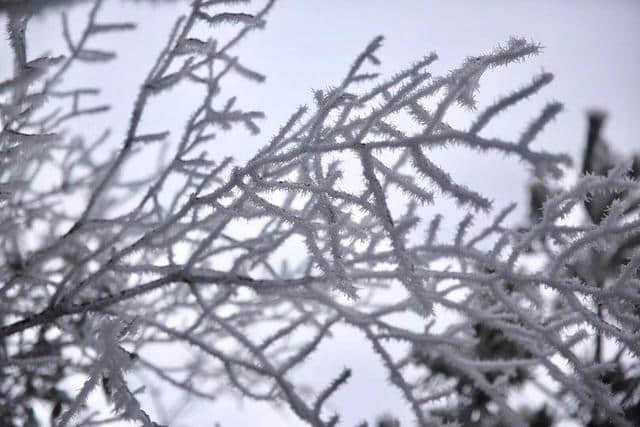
(191, 256)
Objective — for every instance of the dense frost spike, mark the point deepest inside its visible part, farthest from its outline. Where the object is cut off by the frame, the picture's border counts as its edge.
(510, 100)
(193, 45)
(548, 114)
(230, 18)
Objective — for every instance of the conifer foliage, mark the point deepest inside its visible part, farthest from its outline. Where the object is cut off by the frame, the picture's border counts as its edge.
(98, 271)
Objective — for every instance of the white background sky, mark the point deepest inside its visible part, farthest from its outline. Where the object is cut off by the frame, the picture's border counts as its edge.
(591, 47)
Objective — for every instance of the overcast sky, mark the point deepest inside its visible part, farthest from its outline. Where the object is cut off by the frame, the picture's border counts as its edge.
(590, 46)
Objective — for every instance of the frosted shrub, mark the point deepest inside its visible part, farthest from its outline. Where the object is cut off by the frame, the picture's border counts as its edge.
(98, 270)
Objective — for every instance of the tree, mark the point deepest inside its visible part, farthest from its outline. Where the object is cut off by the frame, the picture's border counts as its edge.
(599, 266)
(100, 268)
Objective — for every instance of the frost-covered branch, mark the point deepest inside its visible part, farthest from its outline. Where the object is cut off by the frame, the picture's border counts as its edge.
(198, 252)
